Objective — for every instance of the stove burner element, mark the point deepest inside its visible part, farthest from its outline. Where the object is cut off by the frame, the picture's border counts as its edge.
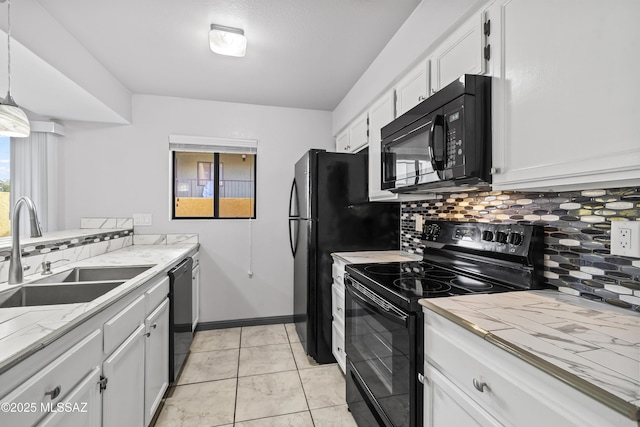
(421, 286)
(440, 274)
(471, 284)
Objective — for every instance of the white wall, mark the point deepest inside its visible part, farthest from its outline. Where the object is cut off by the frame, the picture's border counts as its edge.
(422, 29)
(115, 171)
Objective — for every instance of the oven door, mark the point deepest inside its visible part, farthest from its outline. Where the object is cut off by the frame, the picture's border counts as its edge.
(414, 155)
(381, 367)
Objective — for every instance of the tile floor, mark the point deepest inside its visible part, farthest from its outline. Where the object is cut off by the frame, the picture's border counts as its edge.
(257, 376)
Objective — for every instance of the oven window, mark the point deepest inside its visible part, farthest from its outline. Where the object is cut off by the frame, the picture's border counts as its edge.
(379, 348)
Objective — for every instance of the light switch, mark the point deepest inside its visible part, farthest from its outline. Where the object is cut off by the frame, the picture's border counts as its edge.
(142, 219)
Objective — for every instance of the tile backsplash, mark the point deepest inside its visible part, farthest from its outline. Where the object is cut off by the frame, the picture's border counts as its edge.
(577, 234)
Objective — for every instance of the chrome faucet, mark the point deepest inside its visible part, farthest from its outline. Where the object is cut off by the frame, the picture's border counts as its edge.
(15, 265)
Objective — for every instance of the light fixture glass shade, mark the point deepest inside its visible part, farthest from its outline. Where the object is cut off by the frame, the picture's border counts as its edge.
(227, 40)
(13, 121)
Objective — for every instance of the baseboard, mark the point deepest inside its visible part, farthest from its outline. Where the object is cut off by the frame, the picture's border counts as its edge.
(256, 321)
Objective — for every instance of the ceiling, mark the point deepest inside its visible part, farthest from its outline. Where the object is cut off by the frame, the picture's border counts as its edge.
(300, 53)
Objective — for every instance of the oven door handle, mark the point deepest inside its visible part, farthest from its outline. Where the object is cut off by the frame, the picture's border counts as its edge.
(389, 312)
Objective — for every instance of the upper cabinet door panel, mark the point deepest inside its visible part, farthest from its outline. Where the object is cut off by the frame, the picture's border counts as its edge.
(565, 114)
(413, 88)
(358, 133)
(460, 53)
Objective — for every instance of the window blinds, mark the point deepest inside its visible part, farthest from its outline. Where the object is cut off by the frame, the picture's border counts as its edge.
(203, 144)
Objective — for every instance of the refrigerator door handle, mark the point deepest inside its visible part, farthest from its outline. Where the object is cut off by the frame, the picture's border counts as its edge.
(292, 194)
(293, 244)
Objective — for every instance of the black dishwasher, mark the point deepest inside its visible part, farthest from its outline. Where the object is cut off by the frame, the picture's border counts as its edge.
(180, 316)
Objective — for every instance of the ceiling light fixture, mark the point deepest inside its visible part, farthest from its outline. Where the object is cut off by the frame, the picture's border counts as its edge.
(13, 121)
(227, 40)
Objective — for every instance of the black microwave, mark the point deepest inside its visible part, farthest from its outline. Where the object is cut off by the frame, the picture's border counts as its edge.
(443, 143)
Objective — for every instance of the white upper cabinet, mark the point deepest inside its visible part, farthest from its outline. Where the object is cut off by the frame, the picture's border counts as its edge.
(413, 88)
(564, 109)
(463, 52)
(355, 137)
(342, 141)
(359, 133)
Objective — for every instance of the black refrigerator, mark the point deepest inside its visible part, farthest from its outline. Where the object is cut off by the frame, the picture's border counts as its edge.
(329, 212)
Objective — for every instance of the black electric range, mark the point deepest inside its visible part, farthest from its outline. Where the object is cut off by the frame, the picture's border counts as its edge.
(383, 331)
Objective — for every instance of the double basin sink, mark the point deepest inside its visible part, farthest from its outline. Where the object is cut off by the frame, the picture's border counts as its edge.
(78, 285)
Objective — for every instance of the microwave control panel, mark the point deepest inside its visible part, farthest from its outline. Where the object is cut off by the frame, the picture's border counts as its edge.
(453, 142)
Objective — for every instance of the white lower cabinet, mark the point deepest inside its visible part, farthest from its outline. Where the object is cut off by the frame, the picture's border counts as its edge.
(123, 398)
(81, 408)
(469, 381)
(448, 406)
(51, 384)
(156, 366)
(337, 313)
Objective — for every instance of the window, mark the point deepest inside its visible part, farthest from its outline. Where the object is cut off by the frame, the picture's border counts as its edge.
(5, 195)
(213, 178)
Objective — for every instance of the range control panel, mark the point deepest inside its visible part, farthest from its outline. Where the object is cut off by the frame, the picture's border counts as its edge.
(512, 239)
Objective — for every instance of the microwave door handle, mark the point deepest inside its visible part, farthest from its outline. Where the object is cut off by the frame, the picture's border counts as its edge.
(437, 159)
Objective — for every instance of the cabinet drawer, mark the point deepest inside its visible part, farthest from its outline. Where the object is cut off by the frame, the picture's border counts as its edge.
(156, 295)
(120, 326)
(337, 344)
(337, 271)
(337, 303)
(514, 392)
(58, 379)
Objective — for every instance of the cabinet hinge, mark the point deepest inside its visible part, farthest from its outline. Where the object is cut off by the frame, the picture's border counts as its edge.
(487, 52)
(103, 383)
(487, 27)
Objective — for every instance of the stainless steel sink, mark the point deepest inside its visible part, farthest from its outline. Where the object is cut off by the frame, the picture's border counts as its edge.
(59, 293)
(92, 274)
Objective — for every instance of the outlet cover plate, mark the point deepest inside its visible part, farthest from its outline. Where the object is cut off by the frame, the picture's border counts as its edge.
(629, 245)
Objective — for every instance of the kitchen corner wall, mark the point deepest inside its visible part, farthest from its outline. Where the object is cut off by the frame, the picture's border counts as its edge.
(114, 171)
(577, 234)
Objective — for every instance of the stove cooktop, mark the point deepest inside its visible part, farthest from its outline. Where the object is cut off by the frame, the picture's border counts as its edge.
(407, 282)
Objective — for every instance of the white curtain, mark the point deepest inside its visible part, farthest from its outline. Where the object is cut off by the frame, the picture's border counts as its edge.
(34, 173)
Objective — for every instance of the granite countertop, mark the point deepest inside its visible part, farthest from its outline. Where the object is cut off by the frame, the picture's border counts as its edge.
(365, 257)
(25, 330)
(591, 346)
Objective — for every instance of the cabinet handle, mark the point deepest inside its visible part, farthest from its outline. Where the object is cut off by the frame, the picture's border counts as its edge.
(146, 334)
(421, 98)
(339, 308)
(155, 325)
(53, 393)
(480, 386)
(433, 91)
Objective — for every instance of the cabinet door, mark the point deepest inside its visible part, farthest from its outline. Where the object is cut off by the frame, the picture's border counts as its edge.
(123, 399)
(359, 133)
(195, 295)
(156, 366)
(460, 53)
(380, 114)
(81, 408)
(342, 142)
(445, 405)
(413, 88)
(564, 112)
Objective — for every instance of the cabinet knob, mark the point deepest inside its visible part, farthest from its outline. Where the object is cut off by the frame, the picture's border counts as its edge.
(494, 171)
(480, 385)
(421, 98)
(433, 90)
(53, 393)
(155, 325)
(146, 334)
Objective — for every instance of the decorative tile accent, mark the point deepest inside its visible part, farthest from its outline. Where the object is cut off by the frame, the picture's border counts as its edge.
(577, 226)
(64, 251)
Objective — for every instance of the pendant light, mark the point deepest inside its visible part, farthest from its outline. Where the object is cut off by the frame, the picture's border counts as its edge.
(13, 121)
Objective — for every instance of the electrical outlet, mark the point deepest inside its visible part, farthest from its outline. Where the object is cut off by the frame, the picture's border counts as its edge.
(419, 222)
(625, 238)
(142, 219)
